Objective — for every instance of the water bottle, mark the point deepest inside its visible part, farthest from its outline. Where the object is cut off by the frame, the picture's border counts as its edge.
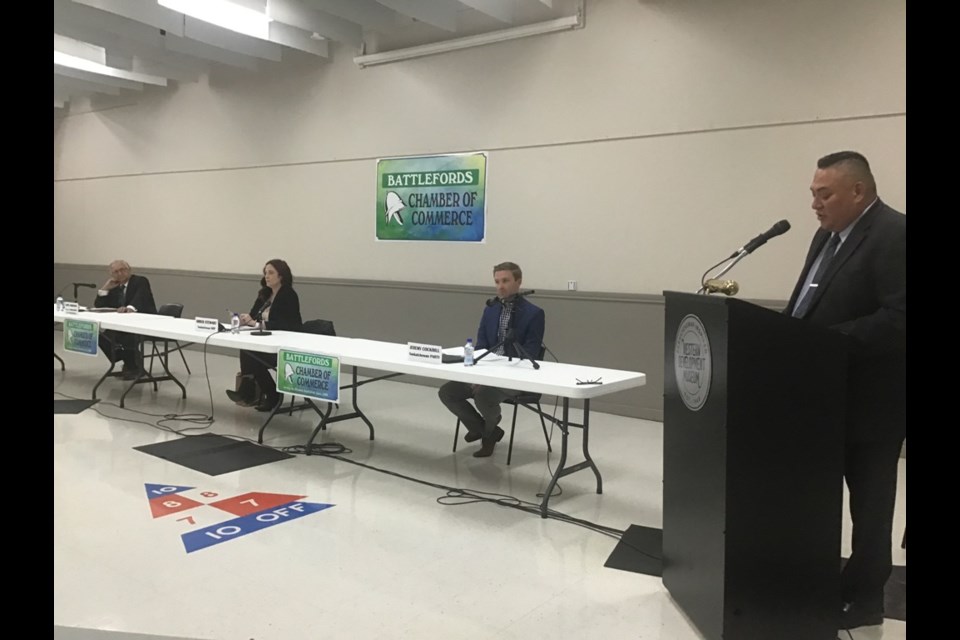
(59, 303)
(235, 323)
(468, 353)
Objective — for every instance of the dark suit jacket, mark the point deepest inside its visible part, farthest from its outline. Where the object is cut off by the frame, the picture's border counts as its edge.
(139, 296)
(284, 312)
(864, 295)
(528, 322)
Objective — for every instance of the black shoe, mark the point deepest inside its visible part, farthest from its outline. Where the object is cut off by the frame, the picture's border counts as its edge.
(853, 616)
(268, 403)
(131, 373)
(472, 436)
(238, 398)
(486, 449)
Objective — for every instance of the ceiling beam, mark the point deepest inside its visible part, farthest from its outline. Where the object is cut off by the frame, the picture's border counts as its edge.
(502, 10)
(369, 14)
(298, 39)
(189, 47)
(79, 49)
(147, 12)
(59, 70)
(72, 86)
(438, 13)
(80, 64)
(329, 26)
(121, 60)
(211, 34)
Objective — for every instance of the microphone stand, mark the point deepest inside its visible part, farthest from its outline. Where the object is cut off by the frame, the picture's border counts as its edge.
(261, 325)
(261, 331)
(732, 262)
(509, 339)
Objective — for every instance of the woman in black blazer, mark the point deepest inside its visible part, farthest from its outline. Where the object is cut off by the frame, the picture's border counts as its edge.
(278, 306)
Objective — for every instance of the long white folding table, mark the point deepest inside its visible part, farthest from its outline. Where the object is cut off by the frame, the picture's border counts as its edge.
(565, 381)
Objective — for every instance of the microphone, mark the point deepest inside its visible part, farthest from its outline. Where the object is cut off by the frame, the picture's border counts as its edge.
(75, 285)
(728, 287)
(262, 309)
(261, 325)
(511, 298)
(776, 230)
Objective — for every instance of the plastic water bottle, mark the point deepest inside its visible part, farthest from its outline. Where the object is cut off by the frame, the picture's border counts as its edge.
(59, 303)
(235, 323)
(468, 353)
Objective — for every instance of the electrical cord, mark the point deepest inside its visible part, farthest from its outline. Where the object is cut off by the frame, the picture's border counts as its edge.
(204, 422)
(454, 496)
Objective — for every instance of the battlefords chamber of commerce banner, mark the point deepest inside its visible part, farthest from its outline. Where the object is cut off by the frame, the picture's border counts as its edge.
(432, 198)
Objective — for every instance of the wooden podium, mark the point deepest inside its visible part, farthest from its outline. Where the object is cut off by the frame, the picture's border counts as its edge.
(752, 469)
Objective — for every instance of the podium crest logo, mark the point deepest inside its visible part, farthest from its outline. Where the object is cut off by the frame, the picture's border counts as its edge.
(692, 362)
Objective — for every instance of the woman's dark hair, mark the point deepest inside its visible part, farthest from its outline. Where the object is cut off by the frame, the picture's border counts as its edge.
(283, 270)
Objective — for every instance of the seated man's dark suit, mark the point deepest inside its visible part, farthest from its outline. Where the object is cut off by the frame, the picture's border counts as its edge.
(117, 345)
(528, 322)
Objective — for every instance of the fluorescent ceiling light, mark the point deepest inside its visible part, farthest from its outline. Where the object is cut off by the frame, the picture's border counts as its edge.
(224, 14)
(538, 28)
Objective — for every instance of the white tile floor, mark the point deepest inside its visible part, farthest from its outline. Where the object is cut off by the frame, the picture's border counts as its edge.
(387, 561)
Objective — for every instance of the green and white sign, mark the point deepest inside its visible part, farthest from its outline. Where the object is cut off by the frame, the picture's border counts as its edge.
(80, 336)
(432, 198)
(311, 375)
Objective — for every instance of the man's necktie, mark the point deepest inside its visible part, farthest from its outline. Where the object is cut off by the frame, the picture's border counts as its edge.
(826, 258)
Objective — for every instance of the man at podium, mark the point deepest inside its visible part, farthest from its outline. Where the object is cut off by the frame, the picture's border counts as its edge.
(854, 280)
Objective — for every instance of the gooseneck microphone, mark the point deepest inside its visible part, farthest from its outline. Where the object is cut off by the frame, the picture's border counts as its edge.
(76, 286)
(511, 298)
(731, 287)
(776, 230)
(261, 325)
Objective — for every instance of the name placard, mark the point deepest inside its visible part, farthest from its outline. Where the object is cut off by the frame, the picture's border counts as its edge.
(425, 352)
(80, 336)
(207, 325)
(311, 375)
(71, 307)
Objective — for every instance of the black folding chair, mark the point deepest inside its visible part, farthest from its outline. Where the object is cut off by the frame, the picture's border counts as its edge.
(525, 399)
(174, 310)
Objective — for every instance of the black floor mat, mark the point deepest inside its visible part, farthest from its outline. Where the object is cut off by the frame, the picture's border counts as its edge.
(212, 454)
(72, 406)
(640, 550)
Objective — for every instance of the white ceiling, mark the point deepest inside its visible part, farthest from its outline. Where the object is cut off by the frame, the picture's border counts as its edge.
(118, 47)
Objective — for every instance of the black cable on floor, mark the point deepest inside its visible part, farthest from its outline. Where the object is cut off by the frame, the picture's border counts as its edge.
(454, 496)
(457, 496)
(205, 421)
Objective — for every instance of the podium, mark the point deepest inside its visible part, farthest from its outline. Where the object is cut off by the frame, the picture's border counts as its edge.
(753, 431)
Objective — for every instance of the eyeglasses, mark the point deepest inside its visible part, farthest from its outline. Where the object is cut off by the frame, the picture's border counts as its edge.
(597, 381)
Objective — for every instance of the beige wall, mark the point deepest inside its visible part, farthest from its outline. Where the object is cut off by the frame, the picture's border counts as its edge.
(628, 155)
